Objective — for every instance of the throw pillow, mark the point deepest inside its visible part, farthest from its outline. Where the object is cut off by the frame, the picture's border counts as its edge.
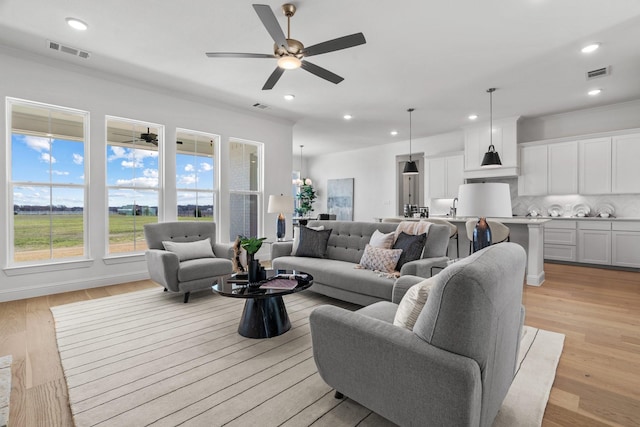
(380, 259)
(412, 303)
(190, 250)
(296, 236)
(313, 243)
(411, 246)
(381, 240)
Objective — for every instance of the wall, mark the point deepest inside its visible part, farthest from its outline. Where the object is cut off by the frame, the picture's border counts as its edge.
(374, 173)
(55, 82)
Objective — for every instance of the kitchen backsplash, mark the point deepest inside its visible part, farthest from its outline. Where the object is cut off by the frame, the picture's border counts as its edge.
(623, 205)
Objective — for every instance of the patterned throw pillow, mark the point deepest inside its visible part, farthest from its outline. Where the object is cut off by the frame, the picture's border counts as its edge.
(412, 247)
(412, 304)
(380, 259)
(381, 240)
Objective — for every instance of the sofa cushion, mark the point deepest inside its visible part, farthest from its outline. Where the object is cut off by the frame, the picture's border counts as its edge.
(382, 240)
(380, 259)
(313, 243)
(190, 250)
(411, 246)
(296, 236)
(202, 268)
(412, 303)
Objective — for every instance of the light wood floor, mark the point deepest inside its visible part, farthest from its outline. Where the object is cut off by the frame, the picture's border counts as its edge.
(597, 382)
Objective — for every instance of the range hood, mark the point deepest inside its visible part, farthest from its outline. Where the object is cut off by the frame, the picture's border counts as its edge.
(505, 139)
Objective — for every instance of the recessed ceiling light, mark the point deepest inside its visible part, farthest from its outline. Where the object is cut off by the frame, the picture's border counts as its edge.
(289, 97)
(594, 92)
(393, 132)
(590, 48)
(347, 117)
(77, 24)
(473, 117)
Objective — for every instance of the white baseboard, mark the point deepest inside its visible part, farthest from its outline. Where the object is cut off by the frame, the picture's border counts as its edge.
(535, 279)
(67, 286)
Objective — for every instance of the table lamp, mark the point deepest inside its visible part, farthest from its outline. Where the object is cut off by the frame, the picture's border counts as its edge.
(280, 205)
(484, 200)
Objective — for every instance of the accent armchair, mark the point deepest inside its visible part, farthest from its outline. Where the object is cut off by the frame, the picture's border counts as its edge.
(456, 365)
(191, 262)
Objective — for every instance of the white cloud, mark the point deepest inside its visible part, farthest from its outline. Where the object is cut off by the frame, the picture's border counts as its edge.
(37, 143)
(60, 173)
(149, 179)
(206, 167)
(47, 158)
(187, 179)
(189, 168)
(77, 159)
(131, 157)
(130, 164)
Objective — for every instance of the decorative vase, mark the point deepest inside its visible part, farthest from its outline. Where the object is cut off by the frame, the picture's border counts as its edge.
(254, 271)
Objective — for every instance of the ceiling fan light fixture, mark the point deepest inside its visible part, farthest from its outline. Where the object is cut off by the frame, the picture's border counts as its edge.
(289, 62)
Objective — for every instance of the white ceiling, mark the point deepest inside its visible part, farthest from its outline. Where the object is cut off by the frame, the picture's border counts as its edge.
(438, 57)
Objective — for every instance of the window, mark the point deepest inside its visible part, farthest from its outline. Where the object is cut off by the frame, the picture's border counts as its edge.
(132, 182)
(47, 183)
(196, 175)
(245, 189)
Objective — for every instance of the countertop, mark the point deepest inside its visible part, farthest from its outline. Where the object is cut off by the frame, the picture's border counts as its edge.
(526, 219)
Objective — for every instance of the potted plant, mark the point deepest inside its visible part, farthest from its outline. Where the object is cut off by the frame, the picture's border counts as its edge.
(306, 196)
(252, 246)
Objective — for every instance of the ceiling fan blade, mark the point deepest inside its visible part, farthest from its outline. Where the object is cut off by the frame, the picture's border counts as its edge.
(271, 24)
(335, 44)
(321, 72)
(238, 55)
(273, 79)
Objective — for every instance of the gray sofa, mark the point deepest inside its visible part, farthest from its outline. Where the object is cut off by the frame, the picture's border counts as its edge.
(335, 275)
(456, 365)
(166, 268)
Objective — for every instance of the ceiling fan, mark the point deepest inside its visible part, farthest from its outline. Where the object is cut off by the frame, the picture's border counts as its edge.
(148, 137)
(290, 52)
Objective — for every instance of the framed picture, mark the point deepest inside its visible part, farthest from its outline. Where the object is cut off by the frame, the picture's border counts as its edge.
(340, 198)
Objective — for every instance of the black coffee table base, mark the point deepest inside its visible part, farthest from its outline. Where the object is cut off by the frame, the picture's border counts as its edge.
(264, 318)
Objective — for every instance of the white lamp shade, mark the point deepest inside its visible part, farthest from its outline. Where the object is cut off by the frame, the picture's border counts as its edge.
(280, 204)
(489, 199)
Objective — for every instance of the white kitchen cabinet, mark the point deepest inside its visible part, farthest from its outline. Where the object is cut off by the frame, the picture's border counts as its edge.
(532, 180)
(562, 171)
(625, 171)
(625, 242)
(594, 166)
(445, 176)
(560, 240)
(594, 242)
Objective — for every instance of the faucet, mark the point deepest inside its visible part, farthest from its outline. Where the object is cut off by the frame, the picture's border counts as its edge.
(454, 208)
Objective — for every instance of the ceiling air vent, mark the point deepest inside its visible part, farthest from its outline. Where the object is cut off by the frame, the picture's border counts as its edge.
(68, 49)
(600, 72)
(260, 106)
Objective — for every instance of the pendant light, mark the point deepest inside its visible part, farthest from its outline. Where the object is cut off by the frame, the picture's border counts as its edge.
(491, 158)
(410, 168)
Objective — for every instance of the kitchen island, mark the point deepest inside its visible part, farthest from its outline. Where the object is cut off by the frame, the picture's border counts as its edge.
(527, 232)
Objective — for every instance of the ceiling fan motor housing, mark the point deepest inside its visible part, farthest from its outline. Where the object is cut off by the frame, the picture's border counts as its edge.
(295, 49)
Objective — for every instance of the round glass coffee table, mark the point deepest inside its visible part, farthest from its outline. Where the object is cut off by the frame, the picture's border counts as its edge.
(264, 314)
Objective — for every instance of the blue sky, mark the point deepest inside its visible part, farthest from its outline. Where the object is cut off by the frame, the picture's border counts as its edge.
(43, 160)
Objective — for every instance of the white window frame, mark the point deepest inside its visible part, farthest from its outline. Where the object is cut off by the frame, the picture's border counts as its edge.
(260, 185)
(10, 262)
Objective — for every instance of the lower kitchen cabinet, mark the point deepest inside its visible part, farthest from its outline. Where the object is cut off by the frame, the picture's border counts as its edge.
(625, 241)
(560, 241)
(594, 246)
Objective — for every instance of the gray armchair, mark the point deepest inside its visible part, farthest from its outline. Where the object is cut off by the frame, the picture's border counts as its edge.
(456, 365)
(167, 269)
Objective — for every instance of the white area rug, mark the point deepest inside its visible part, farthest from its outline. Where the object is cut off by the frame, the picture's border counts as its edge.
(5, 389)
(145, 358)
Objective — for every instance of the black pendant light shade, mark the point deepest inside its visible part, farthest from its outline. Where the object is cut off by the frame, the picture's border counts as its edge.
(410, 168)
(491, 158)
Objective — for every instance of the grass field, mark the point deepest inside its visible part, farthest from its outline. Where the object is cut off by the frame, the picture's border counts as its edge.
(35, 236)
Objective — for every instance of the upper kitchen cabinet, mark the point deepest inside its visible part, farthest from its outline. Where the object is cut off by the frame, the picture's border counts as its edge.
(625, 151)
(445, 175)
(563, 168)
(595, 166)
(477, 140)
(548, 169)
